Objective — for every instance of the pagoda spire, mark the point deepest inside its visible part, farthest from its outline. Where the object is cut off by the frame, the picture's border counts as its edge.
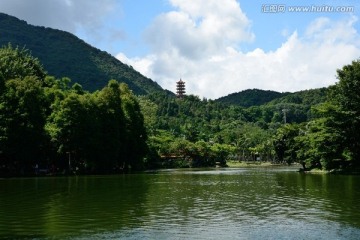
(180, 88)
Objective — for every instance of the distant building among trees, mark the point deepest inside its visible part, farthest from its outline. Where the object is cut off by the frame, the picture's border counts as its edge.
(180, 88)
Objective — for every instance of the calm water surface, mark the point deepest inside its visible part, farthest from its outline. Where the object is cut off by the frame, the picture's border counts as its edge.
(249, 203)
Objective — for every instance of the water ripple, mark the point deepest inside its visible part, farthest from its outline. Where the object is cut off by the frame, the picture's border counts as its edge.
(215, 204)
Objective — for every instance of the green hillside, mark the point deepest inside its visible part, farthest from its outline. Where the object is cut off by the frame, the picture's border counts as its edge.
(307, 97)
(251, 97)
(65, 55)
(257, 97)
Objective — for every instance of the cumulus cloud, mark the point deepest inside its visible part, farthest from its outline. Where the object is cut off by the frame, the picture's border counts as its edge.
(199, 28)
(199, 42)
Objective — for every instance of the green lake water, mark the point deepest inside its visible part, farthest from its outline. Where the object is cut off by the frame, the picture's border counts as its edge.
(243, 203)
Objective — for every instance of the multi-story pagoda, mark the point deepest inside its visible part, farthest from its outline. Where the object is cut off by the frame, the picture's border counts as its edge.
(180, 88)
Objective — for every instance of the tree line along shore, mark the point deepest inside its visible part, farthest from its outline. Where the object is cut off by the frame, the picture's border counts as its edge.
(49, 125)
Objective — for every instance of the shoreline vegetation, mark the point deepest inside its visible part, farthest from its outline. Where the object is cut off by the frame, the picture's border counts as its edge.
(297, 167)
(48, 127)
(236, 164)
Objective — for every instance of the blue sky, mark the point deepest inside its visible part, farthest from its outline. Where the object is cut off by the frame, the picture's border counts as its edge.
(216, 47)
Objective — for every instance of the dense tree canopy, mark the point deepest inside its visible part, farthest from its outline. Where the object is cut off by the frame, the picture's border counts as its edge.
(347, 98)
(331, 139)
(316, 127)
(45, 123)
(18, 63)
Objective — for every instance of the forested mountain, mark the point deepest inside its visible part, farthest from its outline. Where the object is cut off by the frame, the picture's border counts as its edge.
(266, 107)
(251, 97)
(309, 97)
(65, 55)
(258, 97)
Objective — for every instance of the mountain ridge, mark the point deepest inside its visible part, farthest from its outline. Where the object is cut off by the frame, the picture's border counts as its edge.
(65, 55)
(258, 97)
(251, 97)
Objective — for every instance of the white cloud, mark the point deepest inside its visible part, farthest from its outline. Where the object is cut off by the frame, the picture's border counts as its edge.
(199, 42)
(199, 28)
(142, 65)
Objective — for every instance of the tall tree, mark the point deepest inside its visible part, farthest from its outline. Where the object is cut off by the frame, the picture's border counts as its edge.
(346, 96)
(333, 138)
(22, 107)
(136, 135)
(320, 141)
(22, 120)
(285, 144)
(69, 126)
(112, 127)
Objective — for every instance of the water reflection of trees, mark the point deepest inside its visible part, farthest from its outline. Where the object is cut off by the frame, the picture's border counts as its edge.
(328, 197)
(71, 206)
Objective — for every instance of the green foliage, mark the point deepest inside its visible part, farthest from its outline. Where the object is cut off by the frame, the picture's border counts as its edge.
(45, 122)
(252, 131)
(268, 106)
(251, 97)
(18, 63)
(345, 97)
(149, 110)
(332, 138)
(68, 127)
(346, 92)
(285, 144)
(306, 97)
(135, 144)
(22, 118)
(221, 152)
(319, 146)
(102, 132)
